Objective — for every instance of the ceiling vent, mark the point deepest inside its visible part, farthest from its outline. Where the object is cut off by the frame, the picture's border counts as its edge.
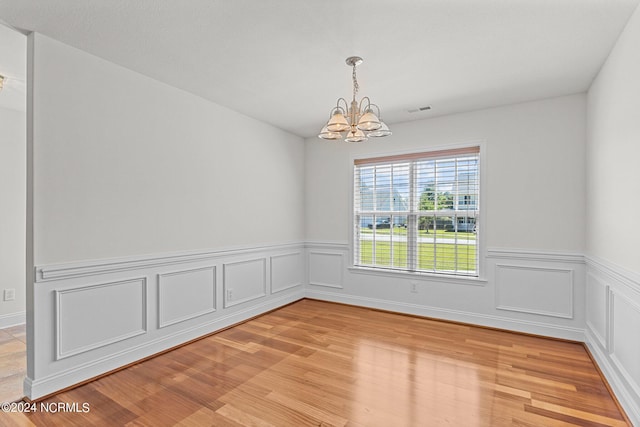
(415, 110)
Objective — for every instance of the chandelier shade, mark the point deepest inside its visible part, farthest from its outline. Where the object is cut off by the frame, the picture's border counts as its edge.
(358, 120)
(338, 122)
(355, 136)
(327, 134)
(368, 121)
(383, 130)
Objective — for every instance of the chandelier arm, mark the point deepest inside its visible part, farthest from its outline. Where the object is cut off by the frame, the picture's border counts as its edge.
(377, 108)
(367, 105)
(346, 105)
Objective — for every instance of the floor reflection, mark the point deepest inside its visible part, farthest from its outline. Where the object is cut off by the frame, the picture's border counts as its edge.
(395, 382)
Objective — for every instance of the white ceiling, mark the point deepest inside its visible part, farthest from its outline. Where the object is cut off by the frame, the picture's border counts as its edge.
(282, 61)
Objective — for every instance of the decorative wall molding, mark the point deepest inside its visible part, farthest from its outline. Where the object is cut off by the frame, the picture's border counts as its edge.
(326, 268)
(559, 274)
(90, 322)
(186, 294)
(492, 303)
(536, 290)
(624, 351)
(244, 281)
(63, 378)
(533, 255)
(94, 267)
(286, 271)
(268, 277)
(84, 319)
(597, 313)
(614, 272)
(614, 299)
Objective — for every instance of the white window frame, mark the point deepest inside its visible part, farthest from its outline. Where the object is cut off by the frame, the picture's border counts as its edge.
(480, 279)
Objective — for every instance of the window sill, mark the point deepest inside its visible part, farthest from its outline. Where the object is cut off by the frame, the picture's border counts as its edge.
(458, 280)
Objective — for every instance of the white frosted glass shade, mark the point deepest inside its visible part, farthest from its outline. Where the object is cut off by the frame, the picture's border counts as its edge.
(327, 134)
(356, 136)
(382, 131)
(337, 122)
(368, 122)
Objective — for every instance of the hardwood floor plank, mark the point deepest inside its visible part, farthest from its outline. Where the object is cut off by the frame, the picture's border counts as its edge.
(585, 416)
(206, 417)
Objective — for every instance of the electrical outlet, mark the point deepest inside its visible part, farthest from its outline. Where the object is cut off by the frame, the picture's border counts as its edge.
(229, 294)
(9, 294)
(414, 287)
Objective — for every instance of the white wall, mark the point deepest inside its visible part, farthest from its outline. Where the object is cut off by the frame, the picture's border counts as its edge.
(125, 165)
(534, 160)
(12, 213)
(613, 151)
(532, 273)
(157, 216)
(613, 189)
(13, 185)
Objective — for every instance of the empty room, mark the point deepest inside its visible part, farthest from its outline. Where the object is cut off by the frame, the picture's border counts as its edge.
(323, 213)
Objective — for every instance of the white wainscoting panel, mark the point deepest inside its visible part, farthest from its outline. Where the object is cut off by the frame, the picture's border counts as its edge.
(552, 282)
(625, 350)
(183, 295)
(99, 315)
(326, 269)
(613, 321)
(244, 281)
(93, 317)
(545, 291)
(597, 309)
(287, 271)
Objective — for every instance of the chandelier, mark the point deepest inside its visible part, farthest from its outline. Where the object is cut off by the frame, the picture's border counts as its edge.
(357, 121)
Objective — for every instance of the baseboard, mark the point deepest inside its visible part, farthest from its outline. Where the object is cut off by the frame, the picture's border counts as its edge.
(543, 329)
(12, 319)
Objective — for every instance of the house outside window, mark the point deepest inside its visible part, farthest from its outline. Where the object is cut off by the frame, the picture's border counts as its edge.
(418, 212)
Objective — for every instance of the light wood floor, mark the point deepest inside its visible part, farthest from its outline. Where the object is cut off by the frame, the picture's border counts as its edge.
(320, 364)
(13, 362)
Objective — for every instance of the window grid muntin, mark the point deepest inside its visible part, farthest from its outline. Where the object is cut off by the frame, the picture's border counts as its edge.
(455, 253)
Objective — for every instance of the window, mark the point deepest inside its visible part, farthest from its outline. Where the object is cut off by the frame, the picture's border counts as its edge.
(418, 212)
